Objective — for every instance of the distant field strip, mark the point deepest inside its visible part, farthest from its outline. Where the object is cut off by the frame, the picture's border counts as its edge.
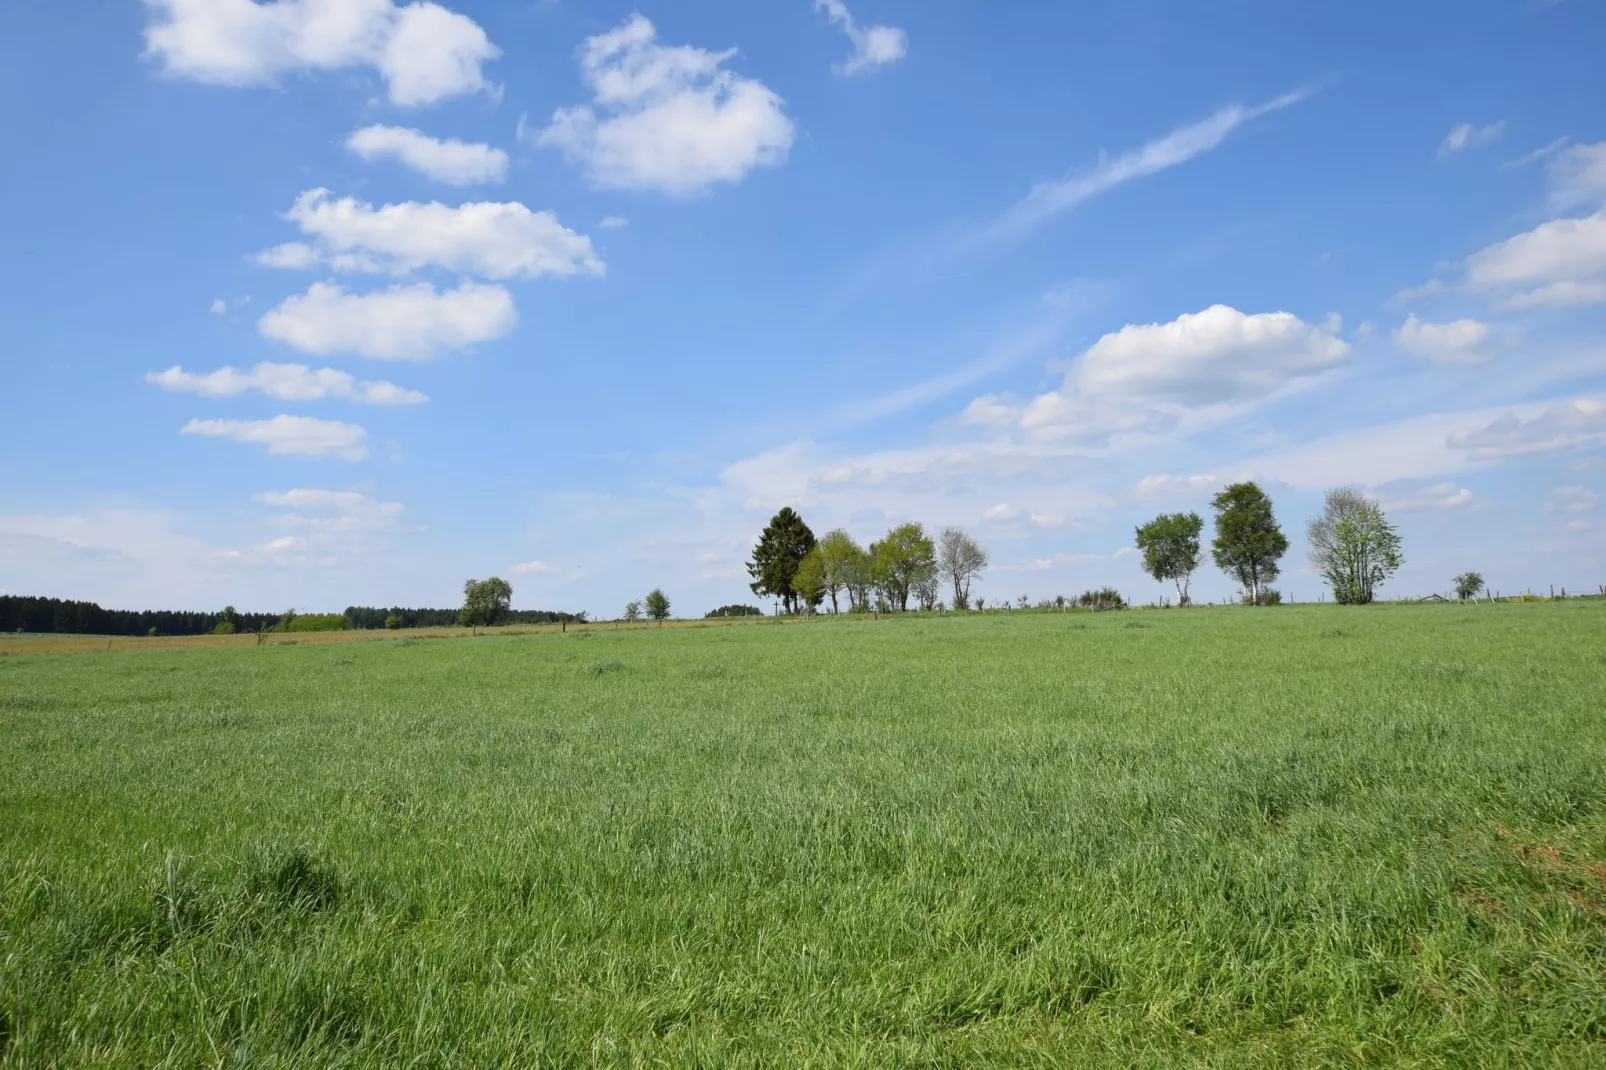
(1303, 836)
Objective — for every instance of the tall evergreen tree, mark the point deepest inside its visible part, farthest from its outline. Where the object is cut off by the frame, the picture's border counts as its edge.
(781, 548)
(1249, 543)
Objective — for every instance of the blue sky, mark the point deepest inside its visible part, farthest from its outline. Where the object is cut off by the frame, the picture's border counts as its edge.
(320, 302)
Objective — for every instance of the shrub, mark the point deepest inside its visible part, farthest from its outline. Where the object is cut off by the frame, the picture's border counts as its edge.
(393, 622)
(734, 611)
(1102, 599)
(316, 622)
(224, 627)
(1269, 597)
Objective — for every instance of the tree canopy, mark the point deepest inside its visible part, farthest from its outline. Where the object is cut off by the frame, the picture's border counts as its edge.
(1249, 543)
(1353, 546)
(485, 602)
(900, 561)
(780, 550)
(1468, 584)
(960, 559)
(1170, 547)
(842, 562)
(658, 605)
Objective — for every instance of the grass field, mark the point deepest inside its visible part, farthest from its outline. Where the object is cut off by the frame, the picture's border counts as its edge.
(1303, 836)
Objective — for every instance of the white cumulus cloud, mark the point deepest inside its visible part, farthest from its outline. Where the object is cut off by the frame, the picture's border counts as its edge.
(286, 382)
(873, 46)
(1156, 377)
(294, 436)
(667, 117)
(489, 239)
(1460, 342)
(408, 322)
(1562, 250)
(528, 568)
(454, 162)
(423, 51)
(1218, 355)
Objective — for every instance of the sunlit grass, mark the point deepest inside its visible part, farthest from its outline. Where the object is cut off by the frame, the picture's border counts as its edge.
(1307, 835)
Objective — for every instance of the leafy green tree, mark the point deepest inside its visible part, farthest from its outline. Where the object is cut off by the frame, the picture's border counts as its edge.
(841, 562)
(1170, 547)
(485, 602)
(858, 576)
(1249, 543)
(393, 622)
(809, 580)
(901, 560)
(632, 610)
(657, 606)
(781, 548)
(1353, 546)
(1468, 585)
(960, 559)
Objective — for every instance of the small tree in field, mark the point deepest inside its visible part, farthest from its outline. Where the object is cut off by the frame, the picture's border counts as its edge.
(1468, 585)
(1249, 542)
(657, 606)
(632, 610)
(485, 602)
(1353, 546)
(960, 559)
(1170, 547)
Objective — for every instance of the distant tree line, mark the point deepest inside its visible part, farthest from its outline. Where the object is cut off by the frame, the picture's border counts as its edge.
(369, 617)
(59, 616)
(54, 615)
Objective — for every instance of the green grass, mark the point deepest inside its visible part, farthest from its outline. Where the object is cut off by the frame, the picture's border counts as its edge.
(1309, 835)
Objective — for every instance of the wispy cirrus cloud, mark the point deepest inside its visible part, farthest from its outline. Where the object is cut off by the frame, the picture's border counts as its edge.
(1048, 199)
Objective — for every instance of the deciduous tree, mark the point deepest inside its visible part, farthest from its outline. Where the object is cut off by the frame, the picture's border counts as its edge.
(1249, 543)
(1353, 546)
(809, 580)
(657, 606)
(1468, 584)
(841, 562)
(1170, 547)
(900, 560)
(485, 602)
(781, 548)
(960, 559)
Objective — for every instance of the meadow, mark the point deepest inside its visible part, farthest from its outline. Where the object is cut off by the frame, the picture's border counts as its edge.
(1301, 836)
